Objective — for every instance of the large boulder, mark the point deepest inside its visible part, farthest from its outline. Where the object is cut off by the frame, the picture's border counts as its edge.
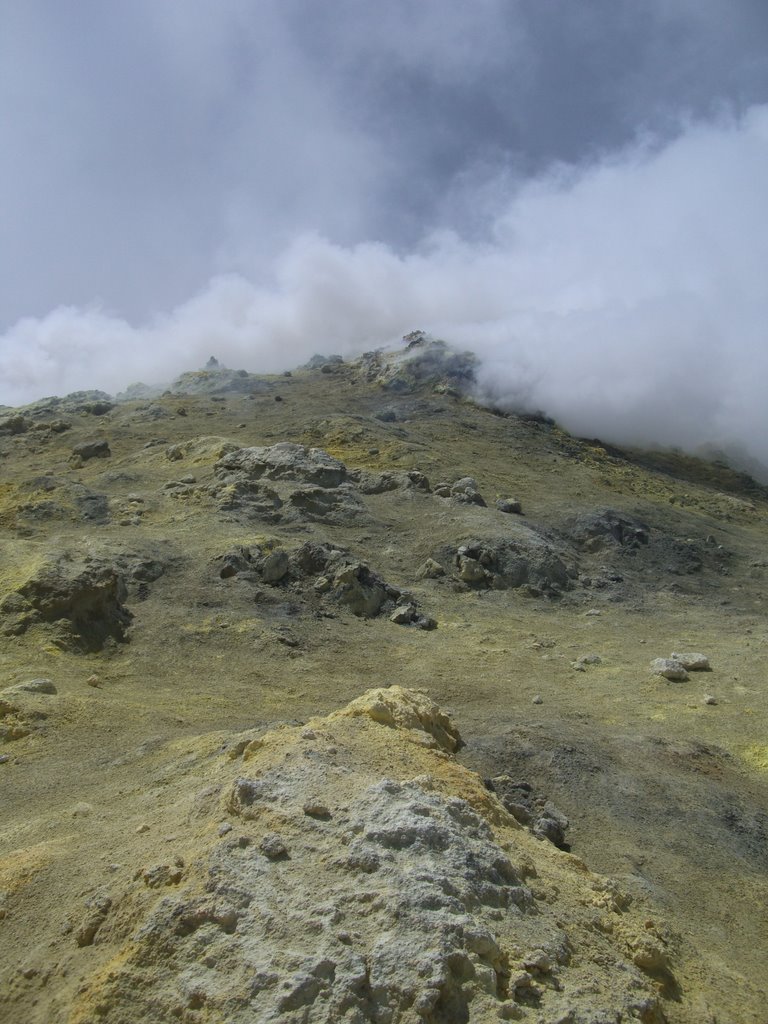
(83, 598)
(286, 482)
(527, 559)
(360, 874)
(284, 461)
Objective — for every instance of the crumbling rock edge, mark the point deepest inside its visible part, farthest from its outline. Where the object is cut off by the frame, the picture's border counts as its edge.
(351, 870)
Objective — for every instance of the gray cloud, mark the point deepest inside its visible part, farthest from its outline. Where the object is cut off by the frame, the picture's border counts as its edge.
(575, 189)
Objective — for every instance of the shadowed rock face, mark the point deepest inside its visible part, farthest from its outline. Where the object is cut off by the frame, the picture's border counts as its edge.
(361, 875)
(509, 563)
(84, 599)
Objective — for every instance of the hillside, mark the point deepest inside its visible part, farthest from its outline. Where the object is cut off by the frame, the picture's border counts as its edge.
(196, 582)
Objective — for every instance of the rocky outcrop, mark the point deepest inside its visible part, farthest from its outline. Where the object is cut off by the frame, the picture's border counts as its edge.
(526, 560)
(320, 573)
(426, 361)
(218, 380)
(606, 528)
(82, 597)
(350, 870)
(285, 482)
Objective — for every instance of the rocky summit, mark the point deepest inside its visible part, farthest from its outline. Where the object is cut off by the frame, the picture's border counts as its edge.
(341, 696)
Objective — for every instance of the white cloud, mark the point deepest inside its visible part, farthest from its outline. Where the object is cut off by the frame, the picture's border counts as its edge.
(626, 299)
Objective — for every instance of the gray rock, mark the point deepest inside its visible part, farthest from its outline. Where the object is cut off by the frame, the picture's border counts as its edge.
(84, 598)
(92, 450)
(525, 559)
(693, 661)
(273, 846)
(360, 590)
(466, 490)
(38, 686)
(586, 659)
(669, 669)
(471, 571)
(274, 567)
(13, 424)
(606, 527)
(430, 570)
(509, 505)
(286, 461)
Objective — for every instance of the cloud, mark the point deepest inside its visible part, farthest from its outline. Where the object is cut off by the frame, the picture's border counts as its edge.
(626, 299)
(575, 191)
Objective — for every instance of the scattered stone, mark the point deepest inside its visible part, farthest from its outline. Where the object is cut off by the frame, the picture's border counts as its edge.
(272, 845)
(38, 686)
(586, 659)
(274, 567)
(669, 669)
(92, 450)
(430, 570)
(142, 828)
(409, 615)
(466, 490)
(509, 505)
(538, 699)
(709, 699)
(94, 681)
(693, 662)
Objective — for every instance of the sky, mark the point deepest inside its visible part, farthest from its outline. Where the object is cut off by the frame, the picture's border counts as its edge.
(575, 189)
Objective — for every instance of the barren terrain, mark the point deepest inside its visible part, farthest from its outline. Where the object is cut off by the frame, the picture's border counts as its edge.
(247, 554)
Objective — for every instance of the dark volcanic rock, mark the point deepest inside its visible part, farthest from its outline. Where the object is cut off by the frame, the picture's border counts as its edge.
(527, 560)
(284, 461)
(84, 597)
(92, 450)
(607, 528)
(321, 573)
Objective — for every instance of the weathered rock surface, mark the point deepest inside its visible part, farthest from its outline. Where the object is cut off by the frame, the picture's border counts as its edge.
(692, 661)
(606, 527)
(321, 572)
(304, 484)
(526, 559)
(428, 361)
(82, 596)
(98, 449)
(670, 669)
(364, 876)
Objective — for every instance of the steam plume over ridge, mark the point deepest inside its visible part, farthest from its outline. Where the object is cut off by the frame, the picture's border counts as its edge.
(613, 277)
